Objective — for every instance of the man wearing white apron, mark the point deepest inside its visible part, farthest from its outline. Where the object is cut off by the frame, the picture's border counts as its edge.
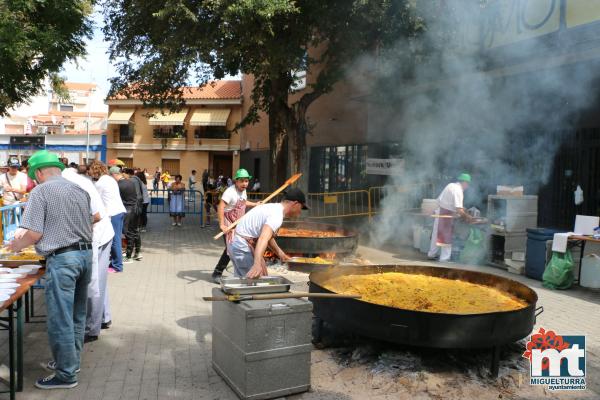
(450, 204)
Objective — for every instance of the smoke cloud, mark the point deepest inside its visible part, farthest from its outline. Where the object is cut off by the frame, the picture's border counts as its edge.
(499, 112)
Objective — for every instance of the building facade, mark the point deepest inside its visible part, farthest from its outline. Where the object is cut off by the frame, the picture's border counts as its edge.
(74, 127)
(199, 137)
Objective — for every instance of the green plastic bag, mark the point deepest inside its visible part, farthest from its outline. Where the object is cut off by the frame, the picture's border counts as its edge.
(559, 271)
(475, 250)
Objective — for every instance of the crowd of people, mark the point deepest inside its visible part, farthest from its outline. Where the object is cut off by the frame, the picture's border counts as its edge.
(75, 217)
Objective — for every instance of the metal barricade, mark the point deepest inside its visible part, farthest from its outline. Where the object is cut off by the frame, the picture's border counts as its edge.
(405, 196)
(352, 203)
(193, 202)
(11, 218)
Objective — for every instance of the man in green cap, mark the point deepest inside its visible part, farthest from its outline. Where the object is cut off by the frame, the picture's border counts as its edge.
(58, 221)
(232, 207)
(450, 204)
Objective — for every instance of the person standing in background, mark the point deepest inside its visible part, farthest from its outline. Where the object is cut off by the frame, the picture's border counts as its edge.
(156, 179)
(165, 178)
(132, 200)
(30, 182)
(14, 183)
(176, 203)
(146, 201)
(205, 180)
(111, 198)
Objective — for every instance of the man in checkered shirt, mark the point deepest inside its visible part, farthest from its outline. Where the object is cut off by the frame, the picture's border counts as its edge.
(58, 219)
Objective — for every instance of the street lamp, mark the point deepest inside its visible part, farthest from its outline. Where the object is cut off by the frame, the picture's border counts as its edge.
(87, 128)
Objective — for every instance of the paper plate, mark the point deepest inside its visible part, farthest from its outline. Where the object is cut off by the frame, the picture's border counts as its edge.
(30, 268)
(4, 297)
(5, 270)
(20, 271)
(7, 291)
(9, 285)
(14, 276)
(4, 280)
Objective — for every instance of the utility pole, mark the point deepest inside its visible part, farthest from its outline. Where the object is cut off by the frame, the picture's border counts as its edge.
(87, 128)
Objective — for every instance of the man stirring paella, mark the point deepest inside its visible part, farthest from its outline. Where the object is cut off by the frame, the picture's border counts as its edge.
(450, 203)
(257, 230)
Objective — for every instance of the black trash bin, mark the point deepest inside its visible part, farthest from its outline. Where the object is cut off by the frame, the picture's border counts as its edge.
(535, 255)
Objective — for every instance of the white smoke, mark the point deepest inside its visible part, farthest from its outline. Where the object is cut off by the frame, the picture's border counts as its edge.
(500, 114)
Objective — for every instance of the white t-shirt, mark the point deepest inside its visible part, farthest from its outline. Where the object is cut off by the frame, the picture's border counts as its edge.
(19, 181)
(254, 220)
(108, 189)
(451, 197)
(231, 196)
(102, 231)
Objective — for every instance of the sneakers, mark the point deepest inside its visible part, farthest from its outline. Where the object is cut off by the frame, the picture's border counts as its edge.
(52, 366)
(52, 382)
(216, 277)
(112, 270)
(174, 224)
(143, 230)
(179, 224)
(127, 260)
(89, 338)
(138, 257)
(106, 325)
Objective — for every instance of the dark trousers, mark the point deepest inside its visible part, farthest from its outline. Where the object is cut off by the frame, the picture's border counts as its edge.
(223, 261)
(132, 231)
(144, 215)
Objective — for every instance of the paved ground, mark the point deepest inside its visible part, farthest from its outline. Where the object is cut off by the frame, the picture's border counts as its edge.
(160, 344)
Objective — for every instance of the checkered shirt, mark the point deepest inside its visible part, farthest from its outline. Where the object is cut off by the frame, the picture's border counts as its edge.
(60, 211)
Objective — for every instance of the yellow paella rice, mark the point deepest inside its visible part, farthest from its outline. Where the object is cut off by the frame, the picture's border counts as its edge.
(425, 293)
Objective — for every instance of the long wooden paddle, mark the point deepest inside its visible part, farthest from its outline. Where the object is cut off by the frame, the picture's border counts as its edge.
(275, 296)
(287, 183)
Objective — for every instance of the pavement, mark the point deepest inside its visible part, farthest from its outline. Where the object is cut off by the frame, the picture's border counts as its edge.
(159, 346)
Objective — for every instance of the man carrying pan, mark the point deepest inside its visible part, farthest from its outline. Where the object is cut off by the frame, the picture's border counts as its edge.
(256, 231)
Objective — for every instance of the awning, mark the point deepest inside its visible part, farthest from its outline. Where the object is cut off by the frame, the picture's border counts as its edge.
(210, 117)
(120, 116)
(168, 119)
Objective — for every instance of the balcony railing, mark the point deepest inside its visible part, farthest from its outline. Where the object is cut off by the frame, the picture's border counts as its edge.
(212, 133)
(169, 134)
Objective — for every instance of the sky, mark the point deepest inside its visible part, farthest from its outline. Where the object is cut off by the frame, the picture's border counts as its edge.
(95, 67)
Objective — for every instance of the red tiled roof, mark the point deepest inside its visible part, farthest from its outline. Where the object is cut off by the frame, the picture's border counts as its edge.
(213, 90)
(217, 90)
(80, 85)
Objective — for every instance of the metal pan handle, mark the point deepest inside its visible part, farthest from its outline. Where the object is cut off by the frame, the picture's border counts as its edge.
(538, 311)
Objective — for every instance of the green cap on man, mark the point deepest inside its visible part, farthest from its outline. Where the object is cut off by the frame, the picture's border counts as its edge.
(242, 174)
(464, 177)
(43, 159)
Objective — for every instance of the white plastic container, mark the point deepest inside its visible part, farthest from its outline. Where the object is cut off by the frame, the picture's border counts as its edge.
(416, 230)
(428, 206)
(590, 272)
(30, 268)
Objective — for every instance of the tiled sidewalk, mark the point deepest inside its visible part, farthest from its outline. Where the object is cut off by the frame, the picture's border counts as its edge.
(160, 343)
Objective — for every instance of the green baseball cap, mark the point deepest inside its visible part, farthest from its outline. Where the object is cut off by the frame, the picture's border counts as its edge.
(464, 177)
(242, 174)
(43, 159)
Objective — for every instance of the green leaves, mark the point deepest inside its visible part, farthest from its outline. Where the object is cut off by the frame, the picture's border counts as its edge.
(36, 38)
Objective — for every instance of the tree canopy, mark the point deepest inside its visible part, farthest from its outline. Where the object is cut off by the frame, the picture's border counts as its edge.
(161, 46)
(36, 38)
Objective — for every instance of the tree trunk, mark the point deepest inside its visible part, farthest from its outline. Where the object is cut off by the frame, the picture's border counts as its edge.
(298, 152)
(278, 135)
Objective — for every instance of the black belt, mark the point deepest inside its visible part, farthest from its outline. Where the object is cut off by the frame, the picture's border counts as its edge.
(73, 247)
